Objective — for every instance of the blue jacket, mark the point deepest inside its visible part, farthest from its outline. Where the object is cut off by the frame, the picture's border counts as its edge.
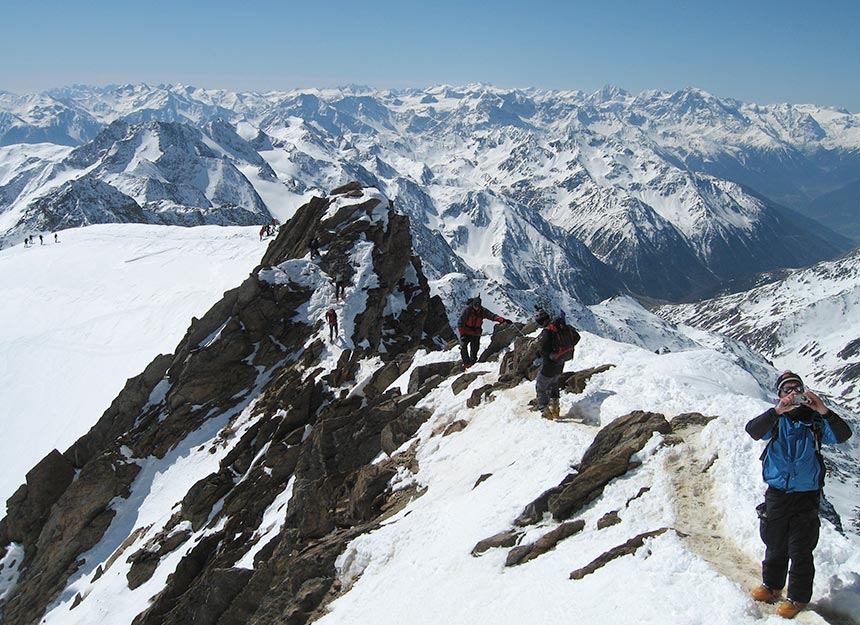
(791, 461)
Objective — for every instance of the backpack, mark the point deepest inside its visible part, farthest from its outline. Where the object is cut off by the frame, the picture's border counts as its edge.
(566, 339)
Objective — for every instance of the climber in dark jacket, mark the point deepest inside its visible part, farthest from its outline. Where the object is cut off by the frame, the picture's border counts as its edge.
(557, 341)
(470, 328)
(793, 469)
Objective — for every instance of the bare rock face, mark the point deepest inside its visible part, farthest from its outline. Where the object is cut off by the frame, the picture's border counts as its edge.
(308, 427)
(607, 458)
(76, 522)
(31, 504)
(547, 542)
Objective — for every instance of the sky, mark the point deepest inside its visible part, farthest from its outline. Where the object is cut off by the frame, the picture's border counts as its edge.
(765, 51)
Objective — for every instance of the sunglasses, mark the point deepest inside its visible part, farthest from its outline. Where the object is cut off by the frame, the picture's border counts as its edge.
(794, 388)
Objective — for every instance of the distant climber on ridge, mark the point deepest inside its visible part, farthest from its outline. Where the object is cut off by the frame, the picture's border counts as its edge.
(793, 469)
(340, 282)
(557, 341)
(331, 318)
(314, 247)
(470, 327)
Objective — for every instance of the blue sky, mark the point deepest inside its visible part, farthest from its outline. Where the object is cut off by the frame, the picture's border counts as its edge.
(764, 51)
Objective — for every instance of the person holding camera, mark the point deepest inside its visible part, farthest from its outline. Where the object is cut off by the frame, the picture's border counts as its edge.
(793, 469)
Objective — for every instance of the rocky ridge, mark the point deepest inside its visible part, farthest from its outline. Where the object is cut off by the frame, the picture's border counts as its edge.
(250, 377)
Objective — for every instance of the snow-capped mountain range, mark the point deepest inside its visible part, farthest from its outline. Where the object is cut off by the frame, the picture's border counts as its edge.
(659, 194)
(802, 319)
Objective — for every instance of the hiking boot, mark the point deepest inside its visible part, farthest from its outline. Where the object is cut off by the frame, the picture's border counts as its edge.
(763, 593)
(547, 413)
(554, 409)
(790, 609)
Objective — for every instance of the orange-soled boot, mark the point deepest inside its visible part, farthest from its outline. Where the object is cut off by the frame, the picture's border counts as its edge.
(763, 593)
(790, 609)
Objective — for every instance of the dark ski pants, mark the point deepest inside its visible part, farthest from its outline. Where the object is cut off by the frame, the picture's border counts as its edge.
(789, 530)
(546, 388)
(469, 345)
(332, 332)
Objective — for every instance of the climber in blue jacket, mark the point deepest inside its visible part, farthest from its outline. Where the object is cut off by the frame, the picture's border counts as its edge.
(793, 469)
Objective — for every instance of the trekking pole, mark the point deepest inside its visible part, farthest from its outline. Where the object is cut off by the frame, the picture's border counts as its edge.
(519, 331)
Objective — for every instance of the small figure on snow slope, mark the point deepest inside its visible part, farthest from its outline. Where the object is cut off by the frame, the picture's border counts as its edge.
(793, 469)
(331, 318)
(470, 327)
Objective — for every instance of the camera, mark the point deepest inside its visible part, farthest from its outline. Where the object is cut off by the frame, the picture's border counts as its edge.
(799, 398)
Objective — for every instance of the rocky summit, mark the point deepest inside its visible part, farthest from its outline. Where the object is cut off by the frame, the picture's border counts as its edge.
(255, 390)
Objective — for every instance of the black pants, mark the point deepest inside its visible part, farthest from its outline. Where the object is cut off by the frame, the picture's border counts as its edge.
(546, 388)
(469, 345)
(789, 530)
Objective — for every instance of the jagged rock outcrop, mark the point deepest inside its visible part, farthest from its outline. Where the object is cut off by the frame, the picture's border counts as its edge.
(254, 385)
(607, 458)
(629, 547)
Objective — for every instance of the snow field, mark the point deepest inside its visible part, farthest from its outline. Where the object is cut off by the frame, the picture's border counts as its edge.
(81, 316)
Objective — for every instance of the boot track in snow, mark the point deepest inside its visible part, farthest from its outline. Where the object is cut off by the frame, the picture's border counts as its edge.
(697, 523)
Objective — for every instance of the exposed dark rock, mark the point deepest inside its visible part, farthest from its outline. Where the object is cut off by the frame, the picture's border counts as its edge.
(365, 498)
(642, 491)
(482, 479)
(200, 498)
(478, 395)
(626, 435)
(144, 561)
(29, 506)
(504, 334)
(420, 375)
(346, 188)
(508, 538)
(522, 362)
(689, 419)
(403, 428)
(547, 542)
(607, 458)
(608, 520)
(463, 382)
(180, 581)
(630, 547)
(76, 522)
(457, 426)
(217, 589)
(385, 377)
(575, 381)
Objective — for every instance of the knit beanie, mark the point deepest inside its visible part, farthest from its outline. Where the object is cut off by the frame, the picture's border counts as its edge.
(785, 377)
